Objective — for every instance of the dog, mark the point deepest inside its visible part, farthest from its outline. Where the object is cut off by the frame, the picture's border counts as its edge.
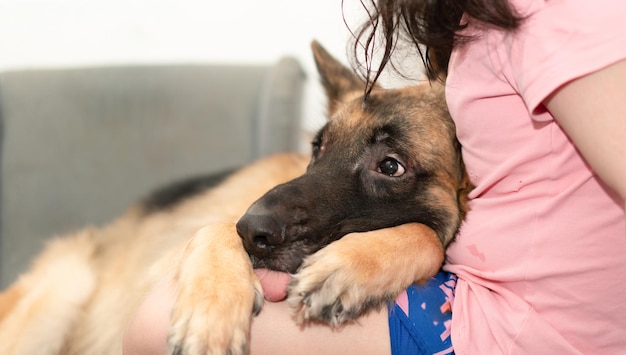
(369, 213)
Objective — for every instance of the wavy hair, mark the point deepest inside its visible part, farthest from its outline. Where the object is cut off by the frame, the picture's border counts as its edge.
(432, 26)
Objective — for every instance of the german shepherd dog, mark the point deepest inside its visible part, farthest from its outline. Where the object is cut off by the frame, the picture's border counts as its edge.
(381, 197)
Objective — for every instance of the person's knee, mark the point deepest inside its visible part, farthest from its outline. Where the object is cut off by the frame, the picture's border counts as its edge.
(146, 333)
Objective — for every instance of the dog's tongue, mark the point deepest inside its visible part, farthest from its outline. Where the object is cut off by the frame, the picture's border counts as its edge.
(274, 284)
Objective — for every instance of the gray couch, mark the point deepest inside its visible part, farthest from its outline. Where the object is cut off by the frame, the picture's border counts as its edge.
(80, 145)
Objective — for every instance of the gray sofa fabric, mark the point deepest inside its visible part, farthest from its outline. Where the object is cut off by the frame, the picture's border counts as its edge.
(81, 145)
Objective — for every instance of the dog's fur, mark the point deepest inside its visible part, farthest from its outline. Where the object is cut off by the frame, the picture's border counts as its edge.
(382, 196)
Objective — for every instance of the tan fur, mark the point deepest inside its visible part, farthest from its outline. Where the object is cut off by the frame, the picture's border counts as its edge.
(347, 269)
(201, 292)
(52, 296)
(362, 271)
(82, 290)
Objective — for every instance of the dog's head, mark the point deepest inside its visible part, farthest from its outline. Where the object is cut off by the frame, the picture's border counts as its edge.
(390, 159)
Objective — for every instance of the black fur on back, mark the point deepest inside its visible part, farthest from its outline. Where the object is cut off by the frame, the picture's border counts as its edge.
(171, 195)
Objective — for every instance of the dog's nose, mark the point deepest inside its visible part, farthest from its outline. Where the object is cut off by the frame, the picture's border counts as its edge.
(260, 233)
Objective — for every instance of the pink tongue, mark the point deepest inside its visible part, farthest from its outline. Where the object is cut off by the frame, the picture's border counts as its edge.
(274, 284)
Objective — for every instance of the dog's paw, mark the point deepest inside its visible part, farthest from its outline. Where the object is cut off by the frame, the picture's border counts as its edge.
(362, 272)
(335, 286)
(212, 327)
(217, 296)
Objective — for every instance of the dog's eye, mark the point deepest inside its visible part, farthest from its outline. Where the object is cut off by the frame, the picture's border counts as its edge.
(316, 147)
(391, 167)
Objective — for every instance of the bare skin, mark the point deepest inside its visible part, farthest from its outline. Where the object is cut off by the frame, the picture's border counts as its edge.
(592, 111)
(273, 331)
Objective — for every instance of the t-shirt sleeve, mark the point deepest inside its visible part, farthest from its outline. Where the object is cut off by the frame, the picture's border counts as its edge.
(562, 40)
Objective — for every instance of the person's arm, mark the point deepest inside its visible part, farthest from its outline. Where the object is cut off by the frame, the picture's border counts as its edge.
(592, 110)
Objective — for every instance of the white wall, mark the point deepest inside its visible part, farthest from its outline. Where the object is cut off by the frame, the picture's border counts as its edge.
(68, 32)
(57, 33)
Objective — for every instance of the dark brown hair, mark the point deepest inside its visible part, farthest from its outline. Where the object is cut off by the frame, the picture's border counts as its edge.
(432, 26)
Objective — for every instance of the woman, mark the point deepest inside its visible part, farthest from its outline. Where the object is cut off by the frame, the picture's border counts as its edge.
(537, 89)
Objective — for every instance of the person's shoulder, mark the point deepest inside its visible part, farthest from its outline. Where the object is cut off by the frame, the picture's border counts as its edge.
(581, 11)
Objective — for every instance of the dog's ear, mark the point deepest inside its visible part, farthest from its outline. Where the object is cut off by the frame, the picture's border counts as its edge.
(338, 80)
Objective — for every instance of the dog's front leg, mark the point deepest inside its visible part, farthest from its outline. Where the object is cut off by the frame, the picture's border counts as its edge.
(362, 271)
(218, 294)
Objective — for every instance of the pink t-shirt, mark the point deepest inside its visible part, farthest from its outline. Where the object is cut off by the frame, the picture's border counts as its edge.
(541, 258)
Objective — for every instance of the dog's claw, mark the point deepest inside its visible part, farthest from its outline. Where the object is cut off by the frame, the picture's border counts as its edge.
(259, 298)
(335, 287)
(321, 292)
(176, 350)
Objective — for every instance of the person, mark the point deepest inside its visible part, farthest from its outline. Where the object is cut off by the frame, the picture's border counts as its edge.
(537, 89)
